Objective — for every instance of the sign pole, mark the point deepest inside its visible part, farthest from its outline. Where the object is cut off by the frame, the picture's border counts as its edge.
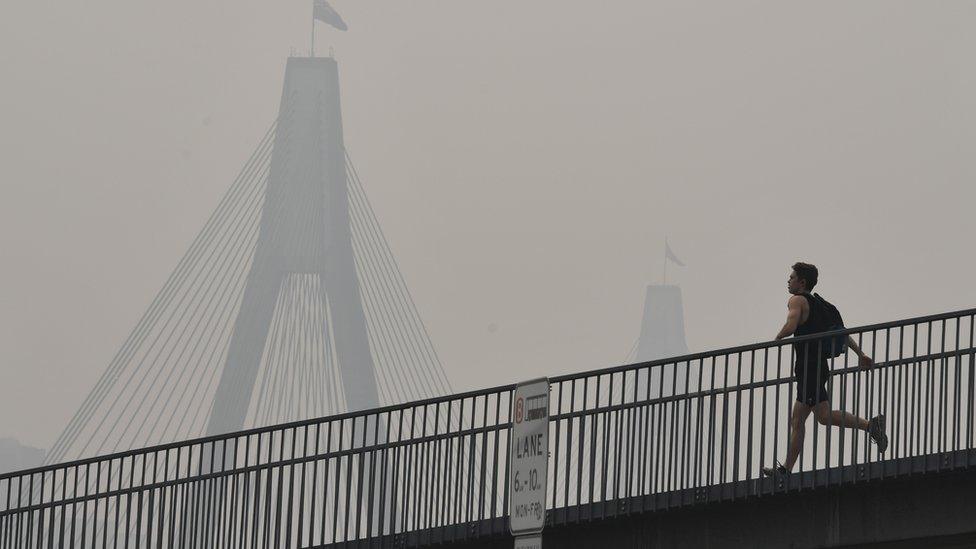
(528, 472)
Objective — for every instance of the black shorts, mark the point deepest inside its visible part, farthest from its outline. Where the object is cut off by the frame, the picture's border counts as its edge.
(811, 382)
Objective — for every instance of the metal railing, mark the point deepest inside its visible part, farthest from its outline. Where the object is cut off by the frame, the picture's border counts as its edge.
(671, 432)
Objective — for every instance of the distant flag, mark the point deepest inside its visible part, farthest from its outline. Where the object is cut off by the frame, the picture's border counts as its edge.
(670, 255)
(322, 11)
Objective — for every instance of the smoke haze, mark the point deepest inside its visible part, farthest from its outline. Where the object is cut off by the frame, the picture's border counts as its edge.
(525, 159)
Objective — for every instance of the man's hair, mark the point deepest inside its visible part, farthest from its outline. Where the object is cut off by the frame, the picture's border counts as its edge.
(807, 272)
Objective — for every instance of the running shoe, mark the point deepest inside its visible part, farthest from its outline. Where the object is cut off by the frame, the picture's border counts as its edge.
(776, 471)
(876, 428)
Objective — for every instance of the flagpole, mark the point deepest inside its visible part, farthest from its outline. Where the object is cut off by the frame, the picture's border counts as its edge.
(665, 261)
(312, 51)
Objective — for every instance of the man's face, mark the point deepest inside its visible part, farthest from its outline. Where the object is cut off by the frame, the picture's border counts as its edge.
(794, 285)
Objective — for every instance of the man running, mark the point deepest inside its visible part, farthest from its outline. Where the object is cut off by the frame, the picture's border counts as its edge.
(807, 316)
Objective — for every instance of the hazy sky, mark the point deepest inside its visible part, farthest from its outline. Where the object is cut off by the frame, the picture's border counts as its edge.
(525, 159)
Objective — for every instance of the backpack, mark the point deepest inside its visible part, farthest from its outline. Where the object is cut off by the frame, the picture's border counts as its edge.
(834, 345)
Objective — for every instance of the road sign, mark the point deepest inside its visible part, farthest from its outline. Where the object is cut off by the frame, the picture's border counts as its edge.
(533, 541)
(529, 457)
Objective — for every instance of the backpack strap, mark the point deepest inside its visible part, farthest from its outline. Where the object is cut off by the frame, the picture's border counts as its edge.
(827, 307)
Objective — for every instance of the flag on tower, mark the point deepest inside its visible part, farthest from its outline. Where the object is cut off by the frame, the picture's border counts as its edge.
(670, 255)
(322, 11)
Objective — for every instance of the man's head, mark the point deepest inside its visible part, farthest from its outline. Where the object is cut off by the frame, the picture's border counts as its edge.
(802, 279)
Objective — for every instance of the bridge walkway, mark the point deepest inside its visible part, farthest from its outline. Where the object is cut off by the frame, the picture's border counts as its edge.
(675, 434)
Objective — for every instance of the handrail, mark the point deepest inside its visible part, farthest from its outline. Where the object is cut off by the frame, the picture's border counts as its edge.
(497, 389)
(770, 344)
(680, 425)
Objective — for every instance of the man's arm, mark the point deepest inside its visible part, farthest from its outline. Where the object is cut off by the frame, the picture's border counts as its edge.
(864, 361)
(793, 316)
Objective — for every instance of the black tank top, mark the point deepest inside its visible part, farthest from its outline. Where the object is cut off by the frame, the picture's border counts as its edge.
(816, 323)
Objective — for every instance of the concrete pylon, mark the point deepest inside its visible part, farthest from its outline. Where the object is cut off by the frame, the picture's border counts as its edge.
(304, 231)
(662, 332)
(662, 335)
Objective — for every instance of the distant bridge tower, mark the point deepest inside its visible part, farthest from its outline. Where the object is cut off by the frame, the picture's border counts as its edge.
(662, 335)
(305, 232)
(662, 332)
(288, 304)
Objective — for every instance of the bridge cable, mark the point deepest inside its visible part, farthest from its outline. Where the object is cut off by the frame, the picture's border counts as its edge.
(157, 307)
(404, 301)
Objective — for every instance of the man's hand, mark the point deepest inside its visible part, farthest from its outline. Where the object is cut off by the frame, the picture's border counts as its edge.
(865, 362)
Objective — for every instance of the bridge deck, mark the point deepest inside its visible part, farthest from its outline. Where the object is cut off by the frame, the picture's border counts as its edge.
(494, 532)
(634, 441)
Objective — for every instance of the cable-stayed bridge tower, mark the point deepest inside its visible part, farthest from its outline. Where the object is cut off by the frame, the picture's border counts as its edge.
(662, 335)
(304, 246)
(663, 324)
(287, 305)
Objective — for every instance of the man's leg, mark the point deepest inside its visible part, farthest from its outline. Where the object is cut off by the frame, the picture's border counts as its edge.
(798, 421)
(875, 427)
(828, 417)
